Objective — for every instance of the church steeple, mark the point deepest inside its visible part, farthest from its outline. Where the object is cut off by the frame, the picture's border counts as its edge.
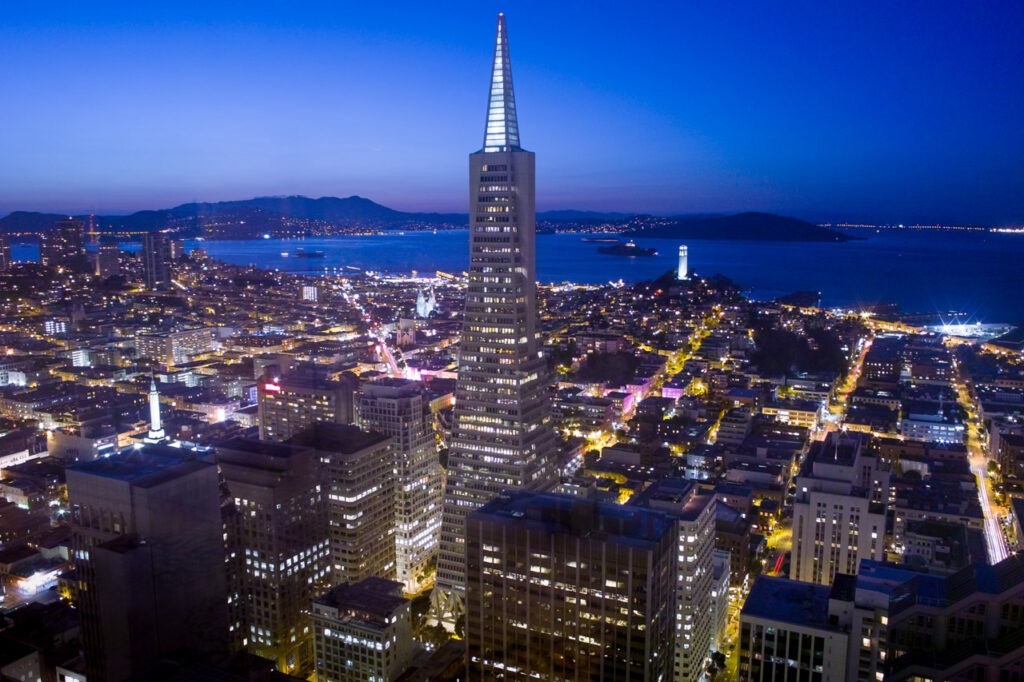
(502, 131)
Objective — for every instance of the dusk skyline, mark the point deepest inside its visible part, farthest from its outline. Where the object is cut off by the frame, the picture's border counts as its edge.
(883, 113)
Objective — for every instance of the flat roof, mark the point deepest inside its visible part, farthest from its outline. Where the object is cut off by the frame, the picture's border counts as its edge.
(144, 465)
(789, 601)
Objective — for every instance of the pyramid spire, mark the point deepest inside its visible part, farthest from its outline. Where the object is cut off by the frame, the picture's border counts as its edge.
(502, 131)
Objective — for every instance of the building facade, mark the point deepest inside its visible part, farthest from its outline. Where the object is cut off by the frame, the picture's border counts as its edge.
(360, 486)
(363, 631)
(693, 510)
(278, 547)
(401, 409)
(564, 588)
(293, 402)
(503, 436)
(157, 256)
(149, 558)
(839, 511)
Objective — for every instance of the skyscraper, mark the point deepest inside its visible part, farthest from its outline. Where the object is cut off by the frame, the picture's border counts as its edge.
(149, 558)
(503, 436)
(277, 538)
(5, 253)
(565, 588)
(400, 408)
(157, 260)
(64, 246)
(108, 260)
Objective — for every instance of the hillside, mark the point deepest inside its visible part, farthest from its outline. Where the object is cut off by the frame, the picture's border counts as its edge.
(751, 226)
(242, 219)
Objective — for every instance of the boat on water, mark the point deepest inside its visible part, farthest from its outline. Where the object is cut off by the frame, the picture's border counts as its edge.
(601, 240)
(302, 253)
(627, 249)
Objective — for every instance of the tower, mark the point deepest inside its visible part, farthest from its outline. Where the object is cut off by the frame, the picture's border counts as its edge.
(157, 260)
(503, 437)
(400, 408)
(683, 271)
(156, 431)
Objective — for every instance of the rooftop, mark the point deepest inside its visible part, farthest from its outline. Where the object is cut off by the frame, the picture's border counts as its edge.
(144, 465)
(788, 601)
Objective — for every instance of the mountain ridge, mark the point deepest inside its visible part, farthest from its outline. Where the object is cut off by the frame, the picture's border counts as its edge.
(298, 215)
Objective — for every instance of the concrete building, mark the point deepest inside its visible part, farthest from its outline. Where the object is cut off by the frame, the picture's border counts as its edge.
(839, 510)
(292, 402)
(560, 587)
(401, 409)
(503, 435)
(175, 347)
(720, 569)
(149, 558)
(785, 633)
(5, 253)
(108, 260)
(64, 246)
(278, 548)
(363, 631)
(157, 256)
(359, 475)
(693, 510)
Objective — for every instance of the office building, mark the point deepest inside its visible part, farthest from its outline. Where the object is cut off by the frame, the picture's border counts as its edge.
(5, 253)
(786, 633)
(175, 347)
(278, 548)
(720, 569)
(693, 510)
(967, 626)
(564, 588)
(683, 271)
(64, 246)
(149, 558)
(157, 260)
(503, 436)
(359, 475)
(292, 402)
(839, 509)
(310, 293)
(363, 631)
(401, 409)
(108, 260)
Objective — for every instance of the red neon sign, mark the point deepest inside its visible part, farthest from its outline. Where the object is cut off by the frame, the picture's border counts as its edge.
(273, 388)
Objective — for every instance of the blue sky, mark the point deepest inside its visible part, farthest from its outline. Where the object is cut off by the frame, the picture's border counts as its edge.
(903, 112)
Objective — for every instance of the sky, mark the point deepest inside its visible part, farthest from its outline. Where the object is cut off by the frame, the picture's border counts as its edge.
(905, 112)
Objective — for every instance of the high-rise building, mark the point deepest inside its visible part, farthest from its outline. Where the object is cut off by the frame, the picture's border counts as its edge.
(565, 588)
(359, 475)
(149, 558)
(292, 402)
(157, 260)
(5, 253)
(401, 409)
(693, 510)
(64, 246)
(310, 293)
(278, 547)
(108, 262)
(503, 436)
(362, 631)
(839, 511)
(683, 272)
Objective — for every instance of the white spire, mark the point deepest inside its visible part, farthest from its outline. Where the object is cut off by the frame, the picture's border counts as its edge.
(156, 431)
(502, 132)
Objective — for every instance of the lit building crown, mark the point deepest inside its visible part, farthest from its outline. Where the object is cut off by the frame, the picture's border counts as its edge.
(502, 132)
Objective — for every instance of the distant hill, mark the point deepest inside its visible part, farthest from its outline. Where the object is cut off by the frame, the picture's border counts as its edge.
(752, 226)
(242, 219)
(570, 214)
